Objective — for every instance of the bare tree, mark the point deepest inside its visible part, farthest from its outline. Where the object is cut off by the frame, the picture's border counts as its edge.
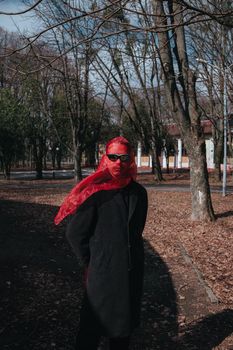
(181, 94)
(130, 61)
(74, 71)
(218, 11)
(212, 47)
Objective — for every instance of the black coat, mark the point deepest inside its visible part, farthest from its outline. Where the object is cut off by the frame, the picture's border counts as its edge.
(106, 235)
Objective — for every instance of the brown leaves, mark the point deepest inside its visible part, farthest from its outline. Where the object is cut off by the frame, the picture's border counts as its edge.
(209, 246)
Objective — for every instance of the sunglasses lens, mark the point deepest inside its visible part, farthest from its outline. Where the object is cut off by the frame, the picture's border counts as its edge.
(112, 157)
(124, 157)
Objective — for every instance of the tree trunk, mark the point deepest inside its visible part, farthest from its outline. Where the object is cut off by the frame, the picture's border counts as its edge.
(91, 155)
(200, 191)
(77, 165)
(59, 157)
(156, 167)
(77, 151)
(45, 162)
(53, 159)
(8, 170)
(229, 137)
(38, 157)
(218, 156)
(167, 163)
(39, 168)
(218, 133)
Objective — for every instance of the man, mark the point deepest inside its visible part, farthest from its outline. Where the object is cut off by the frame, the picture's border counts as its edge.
(106, 234)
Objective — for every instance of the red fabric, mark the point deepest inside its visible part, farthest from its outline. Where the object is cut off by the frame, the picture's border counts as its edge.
(101, 179)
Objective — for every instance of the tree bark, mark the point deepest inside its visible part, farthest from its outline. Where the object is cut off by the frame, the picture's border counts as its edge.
(77, 156)
(7, 168)
(77, 165)
(199, 183)
(218, 154)
(156, 167)
(38, 147)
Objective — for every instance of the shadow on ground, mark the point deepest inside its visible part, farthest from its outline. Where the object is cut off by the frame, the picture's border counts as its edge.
(41, 291)
(225, 214)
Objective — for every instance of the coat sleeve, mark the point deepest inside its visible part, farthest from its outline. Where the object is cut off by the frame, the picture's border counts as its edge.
(80, 229)
(144, 202)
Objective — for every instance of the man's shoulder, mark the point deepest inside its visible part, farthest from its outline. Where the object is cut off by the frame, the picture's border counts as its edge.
(104, 195)
(136, 186)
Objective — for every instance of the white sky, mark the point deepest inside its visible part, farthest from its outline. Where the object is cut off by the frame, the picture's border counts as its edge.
(10, 23)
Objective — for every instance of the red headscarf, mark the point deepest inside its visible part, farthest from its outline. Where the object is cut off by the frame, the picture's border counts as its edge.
(100, 180)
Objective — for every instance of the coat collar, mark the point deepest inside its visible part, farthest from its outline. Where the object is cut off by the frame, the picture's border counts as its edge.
(132, 201)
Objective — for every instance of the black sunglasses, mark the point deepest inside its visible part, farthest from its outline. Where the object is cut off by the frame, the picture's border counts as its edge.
(122, 157)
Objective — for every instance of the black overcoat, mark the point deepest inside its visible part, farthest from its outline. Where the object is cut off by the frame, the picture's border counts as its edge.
(106, 235)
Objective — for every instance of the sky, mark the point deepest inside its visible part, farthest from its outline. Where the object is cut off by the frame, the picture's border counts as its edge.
(10, 23)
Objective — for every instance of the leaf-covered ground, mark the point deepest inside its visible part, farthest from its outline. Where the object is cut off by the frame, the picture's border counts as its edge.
(188, 294)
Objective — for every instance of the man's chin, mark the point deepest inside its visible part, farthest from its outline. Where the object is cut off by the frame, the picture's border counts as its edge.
(116, 174)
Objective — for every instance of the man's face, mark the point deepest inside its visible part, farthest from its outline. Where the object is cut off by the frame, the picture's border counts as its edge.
(118, 166)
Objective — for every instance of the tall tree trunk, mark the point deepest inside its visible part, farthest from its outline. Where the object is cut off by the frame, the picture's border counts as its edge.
(201, 200)
(167, 163)
(7, 170)
(53, 159)
(156, 167)
(90, 155)
(39, 167)
(59, 158)
(38, 157)
(77, 165)
(219, 133)
(77, 151)
(218, 154)
(229, 136)
(217, 127)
